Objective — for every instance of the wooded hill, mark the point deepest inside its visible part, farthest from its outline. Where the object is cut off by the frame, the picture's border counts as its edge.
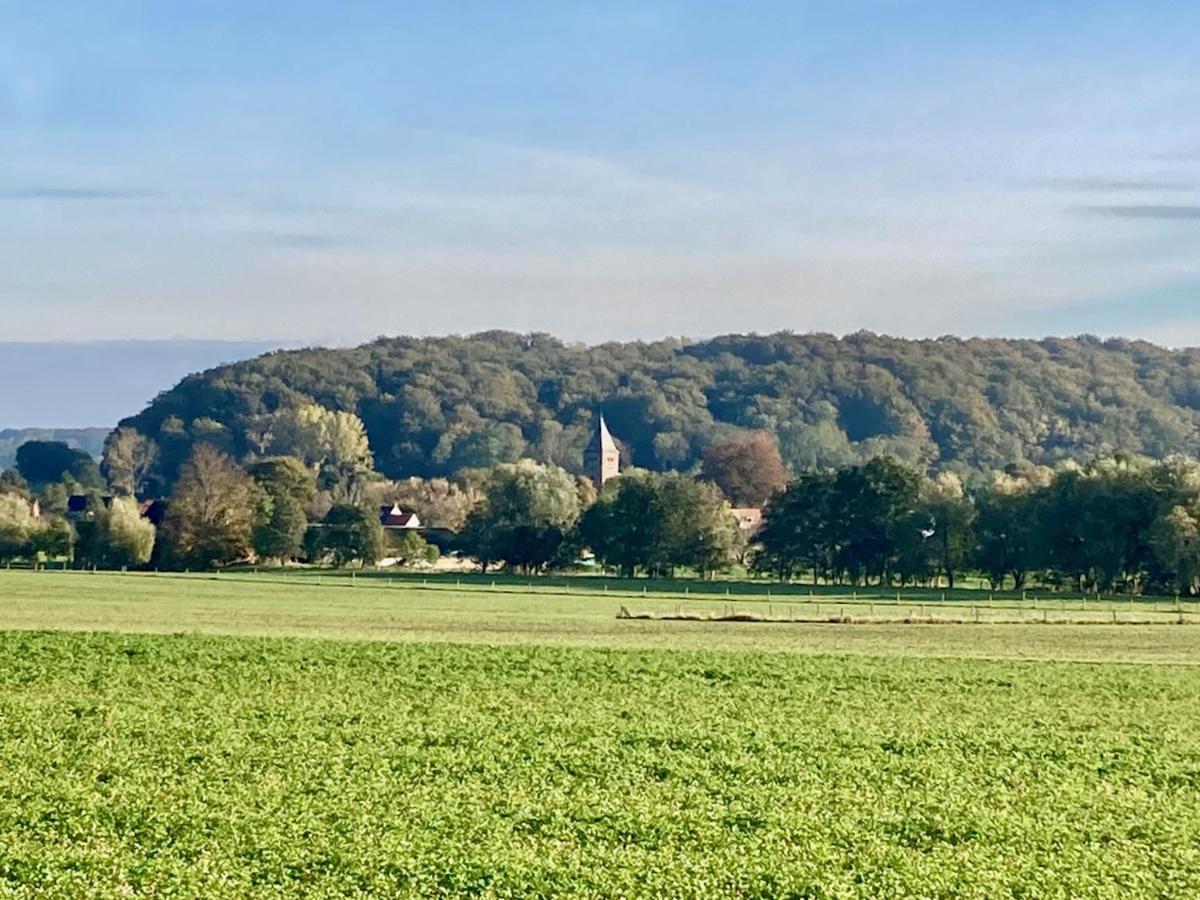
(432, 406)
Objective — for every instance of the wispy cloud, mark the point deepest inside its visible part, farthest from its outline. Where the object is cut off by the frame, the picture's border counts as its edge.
(1160, 211)
(1112, 185)
(76, 193)
(300, 240)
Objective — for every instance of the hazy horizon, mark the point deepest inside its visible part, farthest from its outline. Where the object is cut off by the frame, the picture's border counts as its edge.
(325, 174)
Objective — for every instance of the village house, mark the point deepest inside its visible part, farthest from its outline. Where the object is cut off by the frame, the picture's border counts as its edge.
(749, 519)
(399, 517)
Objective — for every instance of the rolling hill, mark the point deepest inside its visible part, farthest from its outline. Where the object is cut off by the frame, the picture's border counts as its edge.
(435, 405)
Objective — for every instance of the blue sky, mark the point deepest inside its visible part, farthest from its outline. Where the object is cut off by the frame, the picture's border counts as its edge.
(334, 171)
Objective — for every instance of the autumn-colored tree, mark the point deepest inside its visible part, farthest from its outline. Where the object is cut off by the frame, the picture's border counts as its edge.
(747, 467)
(211, 513)
(129, 458)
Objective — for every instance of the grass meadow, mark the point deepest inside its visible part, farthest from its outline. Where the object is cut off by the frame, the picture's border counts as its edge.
(249, 736)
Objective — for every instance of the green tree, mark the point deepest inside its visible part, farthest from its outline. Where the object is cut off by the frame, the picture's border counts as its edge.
(622, 527)
(279, 535)
(797, 528)
(347, 534)
(1006, 535)
(1175, 541)
(410, 548)
(115, 536)
(45, 462)
(54, 539)
(951, 517)
(17, 527)
(287, 488)
(696, 528)
(526, 511)
(660, 522)
(868, 501)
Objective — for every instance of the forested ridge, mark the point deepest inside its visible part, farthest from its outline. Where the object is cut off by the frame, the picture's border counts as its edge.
(433, 406)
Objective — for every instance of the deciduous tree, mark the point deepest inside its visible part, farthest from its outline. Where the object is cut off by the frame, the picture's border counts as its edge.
(128, 461)
(211, 513)
(747, 467)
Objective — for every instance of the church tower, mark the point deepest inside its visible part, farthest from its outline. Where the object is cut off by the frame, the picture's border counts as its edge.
(602, 459)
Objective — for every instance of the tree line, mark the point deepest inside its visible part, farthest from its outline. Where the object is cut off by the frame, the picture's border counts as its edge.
(1116, 524)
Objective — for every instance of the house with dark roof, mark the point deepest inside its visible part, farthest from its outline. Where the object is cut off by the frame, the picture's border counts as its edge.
(397, 516)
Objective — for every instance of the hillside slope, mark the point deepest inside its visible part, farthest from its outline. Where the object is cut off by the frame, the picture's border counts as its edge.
(434, 405)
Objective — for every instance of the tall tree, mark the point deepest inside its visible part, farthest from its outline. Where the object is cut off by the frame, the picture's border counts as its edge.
(45, 462)
(797, 529)
(1006, 531)
(287, 488)
(17, 527)
(211, 513)
(622, 526)
(747, 467)
(868, 502)
(1175, 541)
(114, 536)
(951, 518)
(526, 511)
(659, 522)
(129, 458)
(696, 530)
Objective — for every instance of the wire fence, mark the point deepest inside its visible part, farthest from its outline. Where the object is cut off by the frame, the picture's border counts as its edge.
(727, 601)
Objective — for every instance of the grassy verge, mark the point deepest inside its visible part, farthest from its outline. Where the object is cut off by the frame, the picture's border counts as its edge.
(379, 610)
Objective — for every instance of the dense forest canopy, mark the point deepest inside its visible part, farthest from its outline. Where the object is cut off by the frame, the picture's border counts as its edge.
(433, 406)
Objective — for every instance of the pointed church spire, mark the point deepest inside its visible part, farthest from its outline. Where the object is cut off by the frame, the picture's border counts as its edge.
(602, 458)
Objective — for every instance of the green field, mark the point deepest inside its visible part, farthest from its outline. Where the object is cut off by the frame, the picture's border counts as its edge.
(470, 741)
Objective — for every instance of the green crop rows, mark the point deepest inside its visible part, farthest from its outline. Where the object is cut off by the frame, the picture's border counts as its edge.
(235, 766)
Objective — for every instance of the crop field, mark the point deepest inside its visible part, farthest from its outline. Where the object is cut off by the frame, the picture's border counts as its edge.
(409, 741)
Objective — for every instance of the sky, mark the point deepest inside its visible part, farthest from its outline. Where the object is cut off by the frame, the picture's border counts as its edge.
(322, 172)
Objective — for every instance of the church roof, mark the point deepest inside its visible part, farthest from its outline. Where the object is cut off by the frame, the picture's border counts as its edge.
(602, 440)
